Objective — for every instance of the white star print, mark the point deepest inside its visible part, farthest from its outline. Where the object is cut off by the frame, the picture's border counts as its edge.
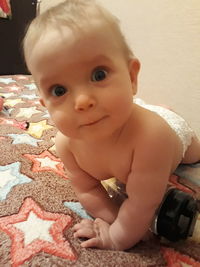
(35, 228)
(6, 177)
(27, 112)
(47, 162)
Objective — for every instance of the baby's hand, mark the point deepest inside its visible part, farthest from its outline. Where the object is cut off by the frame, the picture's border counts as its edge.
(96, 231)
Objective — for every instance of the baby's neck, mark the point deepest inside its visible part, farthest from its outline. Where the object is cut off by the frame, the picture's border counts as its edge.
(101, 141)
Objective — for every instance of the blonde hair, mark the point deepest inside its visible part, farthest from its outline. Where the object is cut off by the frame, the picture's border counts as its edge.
(75, 14)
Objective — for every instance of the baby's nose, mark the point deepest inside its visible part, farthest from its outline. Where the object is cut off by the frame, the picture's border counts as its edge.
(84, 102)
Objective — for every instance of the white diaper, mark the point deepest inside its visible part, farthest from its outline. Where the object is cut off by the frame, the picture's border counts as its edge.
(178, 124)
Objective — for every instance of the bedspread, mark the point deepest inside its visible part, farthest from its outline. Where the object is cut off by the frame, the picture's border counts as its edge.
(38, 206)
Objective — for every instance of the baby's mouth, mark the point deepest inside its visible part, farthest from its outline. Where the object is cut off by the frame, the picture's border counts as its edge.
(94, 122)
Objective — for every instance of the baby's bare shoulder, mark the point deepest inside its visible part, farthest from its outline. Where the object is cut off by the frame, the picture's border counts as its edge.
(62, 144)
(156, 139)
(148, 125)
(64, 152)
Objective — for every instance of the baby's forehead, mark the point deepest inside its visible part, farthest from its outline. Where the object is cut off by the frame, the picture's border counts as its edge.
(75, 49)
(96, 37)
(95, 43)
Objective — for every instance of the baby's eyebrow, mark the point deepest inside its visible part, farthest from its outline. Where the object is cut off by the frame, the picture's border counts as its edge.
(98, 59)
(46, 82)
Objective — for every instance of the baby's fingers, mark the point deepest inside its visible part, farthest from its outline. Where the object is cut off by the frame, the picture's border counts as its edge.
(84, 232)
(92, 243)
(83, 223)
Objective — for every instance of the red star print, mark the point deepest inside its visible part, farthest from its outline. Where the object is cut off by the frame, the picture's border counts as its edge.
(5, 6)
(37, 164)
(21, 252)
(175, 259)
(19, 124)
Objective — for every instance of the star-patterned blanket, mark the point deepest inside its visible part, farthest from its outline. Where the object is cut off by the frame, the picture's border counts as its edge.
(38, 207)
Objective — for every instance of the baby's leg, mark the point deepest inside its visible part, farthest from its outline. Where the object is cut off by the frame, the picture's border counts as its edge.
(192, 154)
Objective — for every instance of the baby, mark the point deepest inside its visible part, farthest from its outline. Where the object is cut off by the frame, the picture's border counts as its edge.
(87, 79)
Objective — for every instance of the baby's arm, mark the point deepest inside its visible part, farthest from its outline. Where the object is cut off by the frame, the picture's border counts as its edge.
(88, 190)
(145, 187)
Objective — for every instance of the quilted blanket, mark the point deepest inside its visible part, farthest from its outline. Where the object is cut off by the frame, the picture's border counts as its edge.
(38, 206)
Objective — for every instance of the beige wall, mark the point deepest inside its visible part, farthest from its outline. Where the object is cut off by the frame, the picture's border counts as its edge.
(165, 36)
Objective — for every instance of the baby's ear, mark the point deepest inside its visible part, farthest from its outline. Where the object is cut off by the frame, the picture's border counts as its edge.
(42, 102)
(134, 67)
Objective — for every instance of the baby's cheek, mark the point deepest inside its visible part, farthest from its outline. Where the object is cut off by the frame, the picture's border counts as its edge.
(123, 105)
(66, 125)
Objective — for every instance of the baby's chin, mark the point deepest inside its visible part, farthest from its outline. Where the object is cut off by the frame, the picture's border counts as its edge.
(89, 136)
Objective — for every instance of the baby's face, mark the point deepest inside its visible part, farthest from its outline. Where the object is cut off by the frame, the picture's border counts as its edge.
(84, 81)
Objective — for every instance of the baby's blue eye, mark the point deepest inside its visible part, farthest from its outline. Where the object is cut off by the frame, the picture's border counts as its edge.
(58, 90)
(99, 75)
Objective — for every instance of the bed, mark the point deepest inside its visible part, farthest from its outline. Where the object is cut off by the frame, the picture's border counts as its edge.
(38, 207)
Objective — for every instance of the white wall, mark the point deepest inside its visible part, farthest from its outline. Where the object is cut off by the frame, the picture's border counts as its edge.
(165, 36)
